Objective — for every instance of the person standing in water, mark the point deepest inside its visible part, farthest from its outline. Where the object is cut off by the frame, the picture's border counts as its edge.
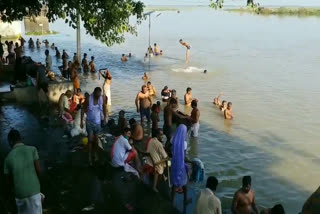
(156, 49)
(228, 115)
(92, 65)
(107, 85)
(151, 89)
(244, 200)
(188, 49)
(144, 103)
(38, 43)
(188, 97)
(85, 65)
(194, 118)
(48, 61)
(145, 77)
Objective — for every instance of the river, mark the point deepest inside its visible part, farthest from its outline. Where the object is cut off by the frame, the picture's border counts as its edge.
(267, 66)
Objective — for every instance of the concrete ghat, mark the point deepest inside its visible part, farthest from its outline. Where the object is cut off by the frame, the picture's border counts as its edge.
(57, 88)
(29, 95)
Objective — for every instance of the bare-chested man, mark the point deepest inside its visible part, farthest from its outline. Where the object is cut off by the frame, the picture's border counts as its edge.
(151, 89)
(228, 115)
(217, 101)
(188, 49)
(145, 77)
(144, 103)
(194, 118)
(244, 200)
(188, 97)
(136, 131)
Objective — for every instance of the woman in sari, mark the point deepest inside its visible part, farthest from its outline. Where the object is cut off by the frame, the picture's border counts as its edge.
(179, 176)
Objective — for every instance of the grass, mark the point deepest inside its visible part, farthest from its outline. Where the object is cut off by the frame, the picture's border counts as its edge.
(39, 33)
(282, 11)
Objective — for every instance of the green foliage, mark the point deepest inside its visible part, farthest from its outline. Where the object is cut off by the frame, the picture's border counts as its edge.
(217, 4)
(106, 20)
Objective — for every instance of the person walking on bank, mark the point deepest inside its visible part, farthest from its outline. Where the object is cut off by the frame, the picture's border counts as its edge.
(23, 166)
(96, 108)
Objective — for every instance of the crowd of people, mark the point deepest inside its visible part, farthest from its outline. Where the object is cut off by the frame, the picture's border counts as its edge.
(87, 114)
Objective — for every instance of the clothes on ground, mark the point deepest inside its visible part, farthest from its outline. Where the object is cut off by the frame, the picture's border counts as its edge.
(20, 164)
(157, 153)
(29, 205)
(77, 130)
(208, 203)
(179, 176)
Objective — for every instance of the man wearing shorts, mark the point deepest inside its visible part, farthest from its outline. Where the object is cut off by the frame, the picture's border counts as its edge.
(144, 103)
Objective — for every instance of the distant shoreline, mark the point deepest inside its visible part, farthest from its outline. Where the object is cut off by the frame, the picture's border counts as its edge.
(280, 11)
(269, 10)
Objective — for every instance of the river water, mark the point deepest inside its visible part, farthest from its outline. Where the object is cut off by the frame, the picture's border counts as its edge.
(267, 66)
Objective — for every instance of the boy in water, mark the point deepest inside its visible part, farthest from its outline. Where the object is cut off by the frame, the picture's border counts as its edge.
(124, 58)
(228, 115)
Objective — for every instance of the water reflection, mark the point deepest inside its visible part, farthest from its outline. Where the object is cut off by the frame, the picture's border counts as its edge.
(228, 126)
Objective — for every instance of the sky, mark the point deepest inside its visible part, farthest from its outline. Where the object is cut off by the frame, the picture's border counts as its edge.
(306, 3)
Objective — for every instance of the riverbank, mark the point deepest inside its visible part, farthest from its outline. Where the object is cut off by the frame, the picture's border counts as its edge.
(69, 184)
(281, 11)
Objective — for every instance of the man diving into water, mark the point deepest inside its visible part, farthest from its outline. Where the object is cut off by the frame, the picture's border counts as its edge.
(188, 49)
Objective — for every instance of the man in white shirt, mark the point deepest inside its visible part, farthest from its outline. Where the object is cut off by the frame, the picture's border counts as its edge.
(122, 152)
(208, 202)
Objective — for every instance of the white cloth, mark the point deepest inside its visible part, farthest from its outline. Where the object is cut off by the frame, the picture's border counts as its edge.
(132, 170)
(208, 203)
(195, 129)
(30, 205)
(107, 92)
(63, 103)
(77, 130)
(120, 151)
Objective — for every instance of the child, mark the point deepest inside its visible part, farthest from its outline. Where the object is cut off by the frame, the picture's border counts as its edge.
(155, 119)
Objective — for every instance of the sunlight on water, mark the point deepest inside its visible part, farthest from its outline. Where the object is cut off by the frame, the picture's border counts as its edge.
(268, 68)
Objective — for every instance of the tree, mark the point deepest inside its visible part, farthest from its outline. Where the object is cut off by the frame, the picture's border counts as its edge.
(219, 3)
(106, 20)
